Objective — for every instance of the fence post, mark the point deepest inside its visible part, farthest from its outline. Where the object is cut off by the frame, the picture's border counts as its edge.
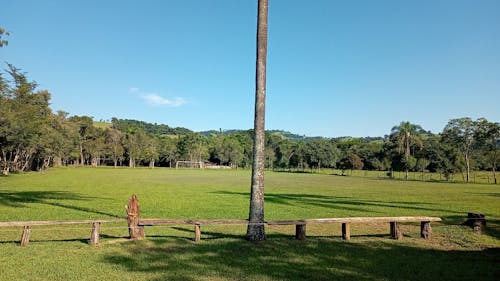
(135, 231)
(346, 231)
(395, 231)
(197, 233)
(25, 238)
(425, 229)
(300, 231)
(94, 235)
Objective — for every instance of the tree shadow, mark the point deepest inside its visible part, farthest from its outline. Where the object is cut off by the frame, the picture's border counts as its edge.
(22, 199)
(313, 259)
(340, 203)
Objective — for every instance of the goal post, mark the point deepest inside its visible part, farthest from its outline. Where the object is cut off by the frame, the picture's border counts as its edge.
(189, 164)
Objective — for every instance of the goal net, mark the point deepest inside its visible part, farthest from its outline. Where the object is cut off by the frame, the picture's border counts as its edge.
(189, 164)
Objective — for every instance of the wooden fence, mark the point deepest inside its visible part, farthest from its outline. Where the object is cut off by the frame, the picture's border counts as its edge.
(136, 225)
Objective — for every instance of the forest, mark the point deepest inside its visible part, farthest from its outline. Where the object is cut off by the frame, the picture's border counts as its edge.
(33, 137)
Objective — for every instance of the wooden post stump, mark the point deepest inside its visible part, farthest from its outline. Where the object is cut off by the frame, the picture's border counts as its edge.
(476, 221)
(197, 233)
(425, 229)
(94, 235)
(135, 231)
(346, 231)
(25, 238)
(395, 231)
(300, 231)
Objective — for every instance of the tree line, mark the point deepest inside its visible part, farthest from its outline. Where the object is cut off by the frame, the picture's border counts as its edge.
(33, 137)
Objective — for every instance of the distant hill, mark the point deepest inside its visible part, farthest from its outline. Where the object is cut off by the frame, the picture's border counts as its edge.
(153, 129)
(285, 134)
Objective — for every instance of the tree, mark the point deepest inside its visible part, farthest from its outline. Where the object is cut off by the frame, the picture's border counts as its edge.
(406, 136)
(3, 42)
(85, 125)
(321, 153)
(114, 145)
(460, 134)
(255, 229)
(23, 119)
(488, 136)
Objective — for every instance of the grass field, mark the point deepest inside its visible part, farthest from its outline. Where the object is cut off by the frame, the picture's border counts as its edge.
(168, 253)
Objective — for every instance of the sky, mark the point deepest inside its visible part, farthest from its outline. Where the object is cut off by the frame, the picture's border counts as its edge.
(334, 68)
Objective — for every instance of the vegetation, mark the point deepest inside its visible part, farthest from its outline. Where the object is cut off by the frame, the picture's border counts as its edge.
(62, 253)
(32, 137)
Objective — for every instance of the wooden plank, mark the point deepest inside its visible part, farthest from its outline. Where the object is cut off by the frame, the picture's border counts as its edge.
(354, 220)
(152, 222)
(25, 238)
(300, 231)
(58, 222)
(346, 231)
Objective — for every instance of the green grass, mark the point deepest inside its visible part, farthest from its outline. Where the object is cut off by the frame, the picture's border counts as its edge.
(61, 252)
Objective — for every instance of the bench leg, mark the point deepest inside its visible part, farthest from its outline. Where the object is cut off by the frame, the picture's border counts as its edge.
(395, 231)
(346, 231)
(94, 235)
(25, 238)
(425, 230)
(197, 233)
(300, 231)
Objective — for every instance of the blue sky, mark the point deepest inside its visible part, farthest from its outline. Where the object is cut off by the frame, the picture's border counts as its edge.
(335, 68)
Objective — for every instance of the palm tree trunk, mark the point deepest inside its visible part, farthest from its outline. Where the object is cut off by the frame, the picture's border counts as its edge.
(255, 229)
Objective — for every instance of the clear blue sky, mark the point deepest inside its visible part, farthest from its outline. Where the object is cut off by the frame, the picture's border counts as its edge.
(335, 68)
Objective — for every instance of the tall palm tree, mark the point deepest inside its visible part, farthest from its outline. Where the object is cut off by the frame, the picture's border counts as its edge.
(255, 229)
(407, 135)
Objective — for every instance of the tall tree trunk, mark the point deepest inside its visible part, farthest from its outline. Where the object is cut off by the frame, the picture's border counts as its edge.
(82, 159)
(255, 229)
(467, 167)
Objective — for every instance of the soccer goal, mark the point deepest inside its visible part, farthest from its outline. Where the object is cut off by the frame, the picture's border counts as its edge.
(189, 164)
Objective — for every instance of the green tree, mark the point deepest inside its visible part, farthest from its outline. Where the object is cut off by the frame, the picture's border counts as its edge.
(24, 117)
(407, 135)
(114, 145)
(488, 136)
(321, 153)
(255, 229)
(460, 133)
(3, 41)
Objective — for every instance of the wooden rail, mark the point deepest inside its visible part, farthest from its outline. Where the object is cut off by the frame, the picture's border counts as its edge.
(136, 225)
(94, 235)
(395, 232)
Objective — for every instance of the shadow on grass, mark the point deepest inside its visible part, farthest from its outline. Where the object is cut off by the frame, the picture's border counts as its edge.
(313, 259)
(339, 203)
(21, 199)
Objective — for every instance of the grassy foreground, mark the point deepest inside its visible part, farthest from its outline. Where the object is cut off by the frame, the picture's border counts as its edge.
(61, 253)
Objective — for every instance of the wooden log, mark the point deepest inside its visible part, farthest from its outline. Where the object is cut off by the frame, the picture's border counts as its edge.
(197, 233)
(300, 231)
(94, 235)
(25, 238)
(355, 220)
(135, 230)
(476, 221)
(425, 229)
(60, 222)
(346, 231)
(395, 231)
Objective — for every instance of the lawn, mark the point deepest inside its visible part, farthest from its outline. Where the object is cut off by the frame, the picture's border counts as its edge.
(168, 253)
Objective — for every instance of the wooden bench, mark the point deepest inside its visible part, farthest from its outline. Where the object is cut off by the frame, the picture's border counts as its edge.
(94, 235)
(197, 223)
(300, 225)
